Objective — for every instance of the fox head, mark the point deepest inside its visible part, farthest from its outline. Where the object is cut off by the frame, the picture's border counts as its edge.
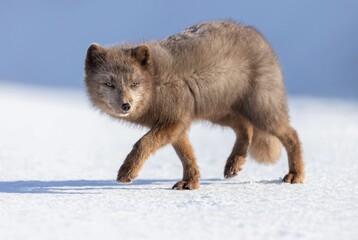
(119, 79)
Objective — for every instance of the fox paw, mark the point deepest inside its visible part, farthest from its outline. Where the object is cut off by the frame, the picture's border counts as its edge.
(123, 179)
(124, 176)
(186, 185)
(233, 167)
(293, 178)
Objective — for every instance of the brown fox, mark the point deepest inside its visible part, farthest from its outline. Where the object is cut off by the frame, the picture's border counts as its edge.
(222, 72)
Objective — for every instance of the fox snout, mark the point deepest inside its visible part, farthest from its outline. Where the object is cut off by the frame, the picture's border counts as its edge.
(124, 102)
(126, 107)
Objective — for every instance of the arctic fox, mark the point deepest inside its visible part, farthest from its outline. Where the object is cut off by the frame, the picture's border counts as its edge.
(222, 72)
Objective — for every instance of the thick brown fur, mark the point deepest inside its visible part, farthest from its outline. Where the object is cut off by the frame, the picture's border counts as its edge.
(222, 72)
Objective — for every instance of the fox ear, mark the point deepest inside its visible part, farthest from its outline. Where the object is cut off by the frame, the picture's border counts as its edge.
(142, 55)
(95, 56)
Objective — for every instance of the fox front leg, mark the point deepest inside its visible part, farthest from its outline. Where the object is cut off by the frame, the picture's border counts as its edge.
(148, 144)
(191, 173)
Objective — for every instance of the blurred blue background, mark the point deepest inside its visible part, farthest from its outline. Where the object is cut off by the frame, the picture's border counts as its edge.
(44, 42)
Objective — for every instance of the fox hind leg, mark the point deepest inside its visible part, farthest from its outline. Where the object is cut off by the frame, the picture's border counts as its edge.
(290, 140)
(243, 130)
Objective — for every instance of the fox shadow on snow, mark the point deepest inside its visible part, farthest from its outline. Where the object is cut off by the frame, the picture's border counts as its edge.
(70, 186)
(90, 186)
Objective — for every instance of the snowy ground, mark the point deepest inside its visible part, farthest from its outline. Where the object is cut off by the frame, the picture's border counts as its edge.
(59, 158)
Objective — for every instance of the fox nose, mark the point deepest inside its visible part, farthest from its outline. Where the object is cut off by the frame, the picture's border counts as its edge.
(126, 106)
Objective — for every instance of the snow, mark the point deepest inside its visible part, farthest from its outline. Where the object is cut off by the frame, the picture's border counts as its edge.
(59, 158)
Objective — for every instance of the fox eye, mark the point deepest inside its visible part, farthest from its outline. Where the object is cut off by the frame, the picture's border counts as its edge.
(108, 84)
(134, 84)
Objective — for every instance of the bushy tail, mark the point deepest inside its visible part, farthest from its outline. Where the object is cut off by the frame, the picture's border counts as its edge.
(265, 148)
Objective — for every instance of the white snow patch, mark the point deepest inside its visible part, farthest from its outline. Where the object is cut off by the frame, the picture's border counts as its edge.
(59, 158)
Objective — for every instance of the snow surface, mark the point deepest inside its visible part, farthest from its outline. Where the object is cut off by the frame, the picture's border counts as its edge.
(59, 158)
